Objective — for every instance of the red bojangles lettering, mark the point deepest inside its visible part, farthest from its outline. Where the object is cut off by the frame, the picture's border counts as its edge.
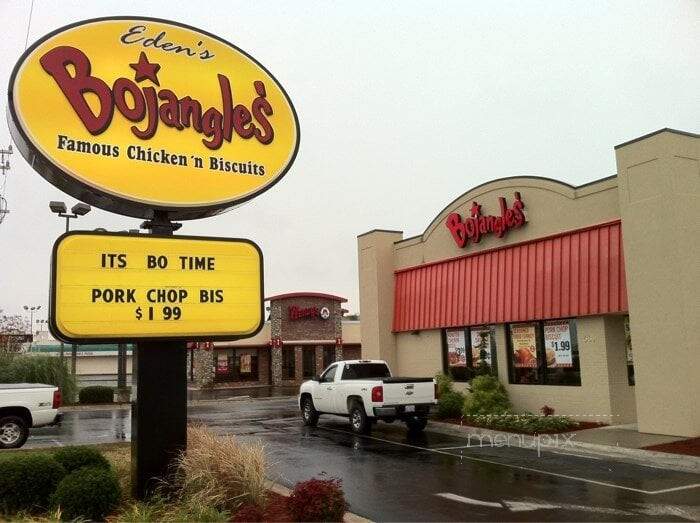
(154, 106)
(474, 227)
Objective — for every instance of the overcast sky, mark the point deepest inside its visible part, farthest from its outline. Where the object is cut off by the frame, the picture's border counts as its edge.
(403, 106)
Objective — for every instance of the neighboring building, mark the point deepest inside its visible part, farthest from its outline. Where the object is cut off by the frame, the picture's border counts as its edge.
(552, 285)
(305, 332)
(94, 364)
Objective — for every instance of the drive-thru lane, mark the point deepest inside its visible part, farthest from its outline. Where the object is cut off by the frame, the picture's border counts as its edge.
(389, 476)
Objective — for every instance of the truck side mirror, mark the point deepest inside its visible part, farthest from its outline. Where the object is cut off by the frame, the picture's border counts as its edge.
(316, 378)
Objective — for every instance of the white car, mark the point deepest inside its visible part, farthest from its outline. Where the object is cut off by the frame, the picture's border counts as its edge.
(364, 391)
(26, 405)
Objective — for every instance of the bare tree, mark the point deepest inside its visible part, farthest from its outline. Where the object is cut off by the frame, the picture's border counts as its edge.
(13, 332)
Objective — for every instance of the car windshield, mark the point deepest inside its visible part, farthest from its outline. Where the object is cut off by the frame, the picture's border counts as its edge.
(365, 371)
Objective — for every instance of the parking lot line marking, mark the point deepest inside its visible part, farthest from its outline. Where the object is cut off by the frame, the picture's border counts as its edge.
(469, 501)
(520, 467)
(673, 489)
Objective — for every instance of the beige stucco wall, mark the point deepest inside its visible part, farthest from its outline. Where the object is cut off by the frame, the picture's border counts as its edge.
(418, 355)
(376, 270)
(659, 190)
(623, 406)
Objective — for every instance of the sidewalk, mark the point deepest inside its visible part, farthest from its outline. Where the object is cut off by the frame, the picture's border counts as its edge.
(617, 443)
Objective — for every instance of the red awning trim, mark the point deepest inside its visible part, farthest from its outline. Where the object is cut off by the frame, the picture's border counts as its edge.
(573, 273)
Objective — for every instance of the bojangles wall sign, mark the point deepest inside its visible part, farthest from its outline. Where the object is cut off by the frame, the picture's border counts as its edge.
(178, 119)
(476, 225)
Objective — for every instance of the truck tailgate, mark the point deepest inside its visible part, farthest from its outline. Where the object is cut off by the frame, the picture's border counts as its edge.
(408, 392)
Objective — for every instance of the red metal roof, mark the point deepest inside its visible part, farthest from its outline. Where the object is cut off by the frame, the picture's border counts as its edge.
(306, 295)
(575, 273)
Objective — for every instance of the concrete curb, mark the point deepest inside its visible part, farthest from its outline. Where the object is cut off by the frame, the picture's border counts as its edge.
(348, 518)
(647, 458)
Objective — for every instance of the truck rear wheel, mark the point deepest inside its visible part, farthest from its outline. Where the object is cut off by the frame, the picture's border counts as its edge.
(416, 423)
(13, 432)
(308, 412)
(359, 422)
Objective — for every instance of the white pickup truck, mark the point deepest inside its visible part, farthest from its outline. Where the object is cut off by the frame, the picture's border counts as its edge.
(364, 391)
(25, 405)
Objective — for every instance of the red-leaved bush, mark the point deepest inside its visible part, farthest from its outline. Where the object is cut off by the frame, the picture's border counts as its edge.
(249, 513)
(547, 410)
(317, 500)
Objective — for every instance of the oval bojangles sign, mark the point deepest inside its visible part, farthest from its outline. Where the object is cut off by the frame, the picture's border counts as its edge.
(135, 115)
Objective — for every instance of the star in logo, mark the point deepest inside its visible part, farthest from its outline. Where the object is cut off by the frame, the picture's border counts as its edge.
(145, 70)
(476, 209)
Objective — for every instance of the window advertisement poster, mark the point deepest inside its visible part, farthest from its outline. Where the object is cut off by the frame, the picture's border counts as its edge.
(245, 364)
(524, 341)
(481, 339)
(456, 348)
(557, 344)
(221, 363)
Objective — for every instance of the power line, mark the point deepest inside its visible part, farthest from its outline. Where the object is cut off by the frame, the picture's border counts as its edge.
(29, 24)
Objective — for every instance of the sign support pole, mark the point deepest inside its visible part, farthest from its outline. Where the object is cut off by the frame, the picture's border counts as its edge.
(159, 410)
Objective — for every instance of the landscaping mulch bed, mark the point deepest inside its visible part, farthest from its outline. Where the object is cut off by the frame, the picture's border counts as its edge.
(690, 447)
(581, 425)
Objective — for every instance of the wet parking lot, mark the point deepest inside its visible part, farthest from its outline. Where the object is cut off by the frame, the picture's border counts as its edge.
(389, 476)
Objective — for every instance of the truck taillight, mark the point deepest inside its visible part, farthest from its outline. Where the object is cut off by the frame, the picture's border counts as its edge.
(437, 392)
(378, 394)
(56, 399)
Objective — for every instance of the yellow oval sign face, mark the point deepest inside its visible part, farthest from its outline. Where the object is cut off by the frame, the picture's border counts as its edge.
(136, 115)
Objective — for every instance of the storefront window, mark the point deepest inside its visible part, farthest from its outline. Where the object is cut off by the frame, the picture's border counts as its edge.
(236, 365)
(288, 370)
(543, 353)
(246, 367)
(462, 364)
(628, 352)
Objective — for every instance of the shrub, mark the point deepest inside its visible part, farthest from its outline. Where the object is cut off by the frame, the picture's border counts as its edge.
(450, 405)
(97, 394)
(546, 410)
(220, 472)
(488, 396)
(249, 513)
(317, 500)
(528, 423)
(89, 492)
(161, 509)
(74, 458)
(27, 481)
(30, 368)
(444, 383)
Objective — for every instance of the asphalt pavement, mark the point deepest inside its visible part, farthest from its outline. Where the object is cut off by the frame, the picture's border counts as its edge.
(389, 476)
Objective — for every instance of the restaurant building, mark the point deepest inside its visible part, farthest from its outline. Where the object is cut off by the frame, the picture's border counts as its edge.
(581, 298)
(305, 332)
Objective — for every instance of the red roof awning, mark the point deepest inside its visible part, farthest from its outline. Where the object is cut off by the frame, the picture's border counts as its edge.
(576, 273)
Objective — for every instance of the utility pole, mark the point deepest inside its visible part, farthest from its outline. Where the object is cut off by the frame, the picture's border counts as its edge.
(4, 167)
